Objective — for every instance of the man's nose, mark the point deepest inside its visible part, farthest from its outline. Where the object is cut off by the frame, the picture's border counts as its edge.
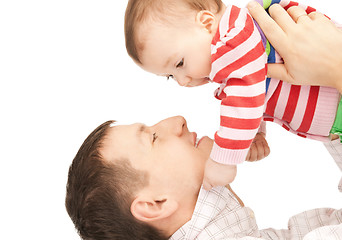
(178, 124)
(173, 125)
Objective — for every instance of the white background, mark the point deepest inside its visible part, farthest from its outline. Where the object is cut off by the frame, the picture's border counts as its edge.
(64, 70)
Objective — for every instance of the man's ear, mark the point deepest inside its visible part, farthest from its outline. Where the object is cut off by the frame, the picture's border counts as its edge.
(207, 19)
(150, 210)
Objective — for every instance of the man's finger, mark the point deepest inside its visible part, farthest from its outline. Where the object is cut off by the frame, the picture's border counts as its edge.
(273, 32)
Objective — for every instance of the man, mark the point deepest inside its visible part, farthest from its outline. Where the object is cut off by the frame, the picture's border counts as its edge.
(144, 182)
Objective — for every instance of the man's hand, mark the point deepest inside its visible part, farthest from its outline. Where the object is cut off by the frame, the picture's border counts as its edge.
(259, 148)
(310, 45)
(217, 174)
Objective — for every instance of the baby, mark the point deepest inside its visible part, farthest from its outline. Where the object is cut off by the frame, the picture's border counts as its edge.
(201, 41)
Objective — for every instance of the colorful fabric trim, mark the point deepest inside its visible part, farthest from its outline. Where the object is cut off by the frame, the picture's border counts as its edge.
(337, 126)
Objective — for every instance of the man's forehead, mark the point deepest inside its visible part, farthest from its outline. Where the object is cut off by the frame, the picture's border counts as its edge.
(120, 132)
(120, 139)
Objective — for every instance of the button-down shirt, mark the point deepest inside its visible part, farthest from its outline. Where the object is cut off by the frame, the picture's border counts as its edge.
(218, 215)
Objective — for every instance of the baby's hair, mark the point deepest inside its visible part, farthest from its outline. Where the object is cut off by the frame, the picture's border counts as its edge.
(100, 192)
(138, 11)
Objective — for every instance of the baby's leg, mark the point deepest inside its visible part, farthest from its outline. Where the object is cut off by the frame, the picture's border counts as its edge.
(335, 149)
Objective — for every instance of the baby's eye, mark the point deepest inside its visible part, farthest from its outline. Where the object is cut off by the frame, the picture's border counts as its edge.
(169, 76)
(154, 137)
(180, 64)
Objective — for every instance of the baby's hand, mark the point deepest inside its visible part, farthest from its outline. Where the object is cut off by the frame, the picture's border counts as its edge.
(259, 148)
(217, 174)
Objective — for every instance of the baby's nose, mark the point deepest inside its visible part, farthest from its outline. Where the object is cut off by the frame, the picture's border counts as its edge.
(184, 81)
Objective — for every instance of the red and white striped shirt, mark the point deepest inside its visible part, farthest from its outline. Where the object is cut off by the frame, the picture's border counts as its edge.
(239, 65)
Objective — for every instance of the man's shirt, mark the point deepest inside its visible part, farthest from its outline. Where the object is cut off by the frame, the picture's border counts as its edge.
(218, 215)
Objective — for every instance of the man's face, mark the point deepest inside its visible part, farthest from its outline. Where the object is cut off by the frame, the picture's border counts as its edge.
(182, 53)
(167, 151)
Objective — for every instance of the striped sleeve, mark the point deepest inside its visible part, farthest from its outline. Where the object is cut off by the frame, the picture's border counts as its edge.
(239, 66)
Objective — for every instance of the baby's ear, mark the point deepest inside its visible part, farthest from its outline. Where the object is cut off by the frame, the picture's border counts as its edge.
(151, 210)
(207, 20)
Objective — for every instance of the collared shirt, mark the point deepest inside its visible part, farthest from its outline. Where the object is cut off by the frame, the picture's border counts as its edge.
(218, 215)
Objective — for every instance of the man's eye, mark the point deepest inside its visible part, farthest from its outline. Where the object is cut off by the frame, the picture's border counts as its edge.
(180, 64)
(154, 137)
(169, 76)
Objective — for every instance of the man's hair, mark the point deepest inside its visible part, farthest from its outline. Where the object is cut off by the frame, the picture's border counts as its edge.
(138, 11)
(99, 194)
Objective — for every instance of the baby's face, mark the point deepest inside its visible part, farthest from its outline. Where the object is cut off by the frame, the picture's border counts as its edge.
(182, 53)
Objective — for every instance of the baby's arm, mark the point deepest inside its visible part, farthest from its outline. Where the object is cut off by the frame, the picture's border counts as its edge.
(239, 65)
(240, 68)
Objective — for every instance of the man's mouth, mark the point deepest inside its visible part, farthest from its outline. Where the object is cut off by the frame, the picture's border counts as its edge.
(197, 141)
